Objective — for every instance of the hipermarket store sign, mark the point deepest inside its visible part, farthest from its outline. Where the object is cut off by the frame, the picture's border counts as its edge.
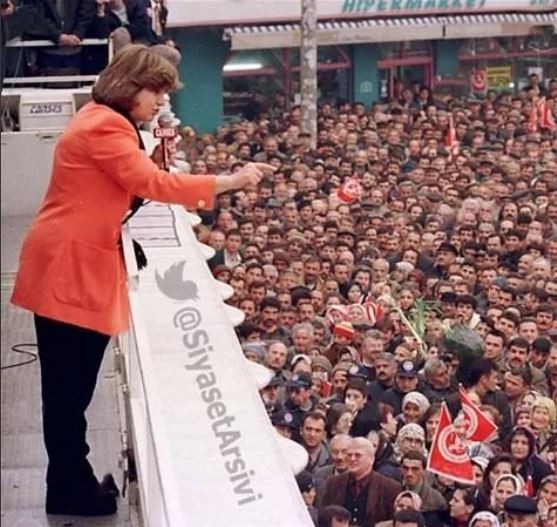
(410, 6)
(184, 13)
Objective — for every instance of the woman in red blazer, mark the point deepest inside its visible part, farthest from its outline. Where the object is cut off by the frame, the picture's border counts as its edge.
(71, 272)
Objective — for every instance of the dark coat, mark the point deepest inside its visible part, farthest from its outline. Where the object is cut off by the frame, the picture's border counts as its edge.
(536, 468)
(380, 499)
(42, 20)
(366, 419)
(139, 23)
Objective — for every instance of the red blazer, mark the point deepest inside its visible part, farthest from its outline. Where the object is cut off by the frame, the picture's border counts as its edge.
(380, 499)
(71, 268)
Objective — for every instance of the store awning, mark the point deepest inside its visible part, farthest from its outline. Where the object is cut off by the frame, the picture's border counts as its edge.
(389, 30)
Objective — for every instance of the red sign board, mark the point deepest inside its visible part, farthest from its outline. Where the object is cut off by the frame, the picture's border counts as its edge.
(478, 81)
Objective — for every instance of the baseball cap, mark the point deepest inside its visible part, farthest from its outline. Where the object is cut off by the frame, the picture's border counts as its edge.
(448, 247)
(300, 380)
(276, 380)
(357, 371)
(500, 282)
(283, 418)
(407, 369)
(274, 203)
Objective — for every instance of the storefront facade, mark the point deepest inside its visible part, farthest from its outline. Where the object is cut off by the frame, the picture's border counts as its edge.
(233, 49)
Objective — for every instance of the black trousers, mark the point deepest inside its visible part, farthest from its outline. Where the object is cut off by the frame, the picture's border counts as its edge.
(70, 358)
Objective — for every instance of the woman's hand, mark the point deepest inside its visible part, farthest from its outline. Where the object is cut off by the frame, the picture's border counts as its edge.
(250, 175)
(170, 151)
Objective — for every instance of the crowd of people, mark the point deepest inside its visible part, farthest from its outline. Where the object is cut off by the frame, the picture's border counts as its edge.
(351, 302)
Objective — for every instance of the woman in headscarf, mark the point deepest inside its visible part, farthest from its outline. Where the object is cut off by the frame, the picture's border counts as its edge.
(410, 437)
(551, 518)
(497, 466)
(547, 495)
(506, 485)
(521, 444)
(479, 464)
(414, 406)
(405, 501)
(543, 419)
(484, 519)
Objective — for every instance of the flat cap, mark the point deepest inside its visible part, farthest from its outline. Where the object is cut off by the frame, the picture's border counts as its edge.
(520, 505)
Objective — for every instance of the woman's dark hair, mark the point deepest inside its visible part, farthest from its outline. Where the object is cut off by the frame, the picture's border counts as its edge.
(334, 413)
(430, 412)
(327, 514)
(132, 69)
(521, 430)
(468, 493)
(493, 462)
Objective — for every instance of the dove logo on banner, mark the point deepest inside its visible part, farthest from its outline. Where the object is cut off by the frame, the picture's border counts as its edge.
(173, 285)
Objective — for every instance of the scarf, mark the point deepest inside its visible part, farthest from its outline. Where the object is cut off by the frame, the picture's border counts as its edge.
(137, 202)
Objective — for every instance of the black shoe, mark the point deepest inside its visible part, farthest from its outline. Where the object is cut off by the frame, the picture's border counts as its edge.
(109, 485)
(99, 503)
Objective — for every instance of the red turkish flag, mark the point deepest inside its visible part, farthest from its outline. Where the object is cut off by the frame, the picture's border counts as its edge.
(533, 118)
(448, 456)
(481, 427)
(546, 119)
(350, 191)
(451, 141)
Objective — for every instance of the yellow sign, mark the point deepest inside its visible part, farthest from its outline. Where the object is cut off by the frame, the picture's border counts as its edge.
(498, 77)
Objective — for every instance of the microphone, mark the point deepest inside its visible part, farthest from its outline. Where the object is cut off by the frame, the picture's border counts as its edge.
(165, 131)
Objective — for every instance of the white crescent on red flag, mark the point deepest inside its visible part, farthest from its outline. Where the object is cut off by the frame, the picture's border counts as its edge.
(546, 119)
(350, 191)
(481, 427)
(533, 117)
(448, 456)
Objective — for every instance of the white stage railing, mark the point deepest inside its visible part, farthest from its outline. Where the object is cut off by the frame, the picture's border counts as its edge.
(55, 79)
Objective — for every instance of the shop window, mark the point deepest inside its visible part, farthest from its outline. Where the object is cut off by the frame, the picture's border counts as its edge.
(333, 73)
(249, 79)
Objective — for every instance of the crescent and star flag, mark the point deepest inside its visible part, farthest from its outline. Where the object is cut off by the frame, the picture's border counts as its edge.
(541, 116)
(451, 141)
(481, 428)
(448, 456)
(546, 119)
(533, 117)
(350, 191)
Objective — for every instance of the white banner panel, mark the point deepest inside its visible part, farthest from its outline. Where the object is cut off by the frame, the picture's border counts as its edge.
(226, 459)
(216, 12)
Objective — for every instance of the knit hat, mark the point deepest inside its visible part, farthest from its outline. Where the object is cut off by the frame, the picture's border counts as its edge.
(321, 362)
(410, 431)
(344, 329)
